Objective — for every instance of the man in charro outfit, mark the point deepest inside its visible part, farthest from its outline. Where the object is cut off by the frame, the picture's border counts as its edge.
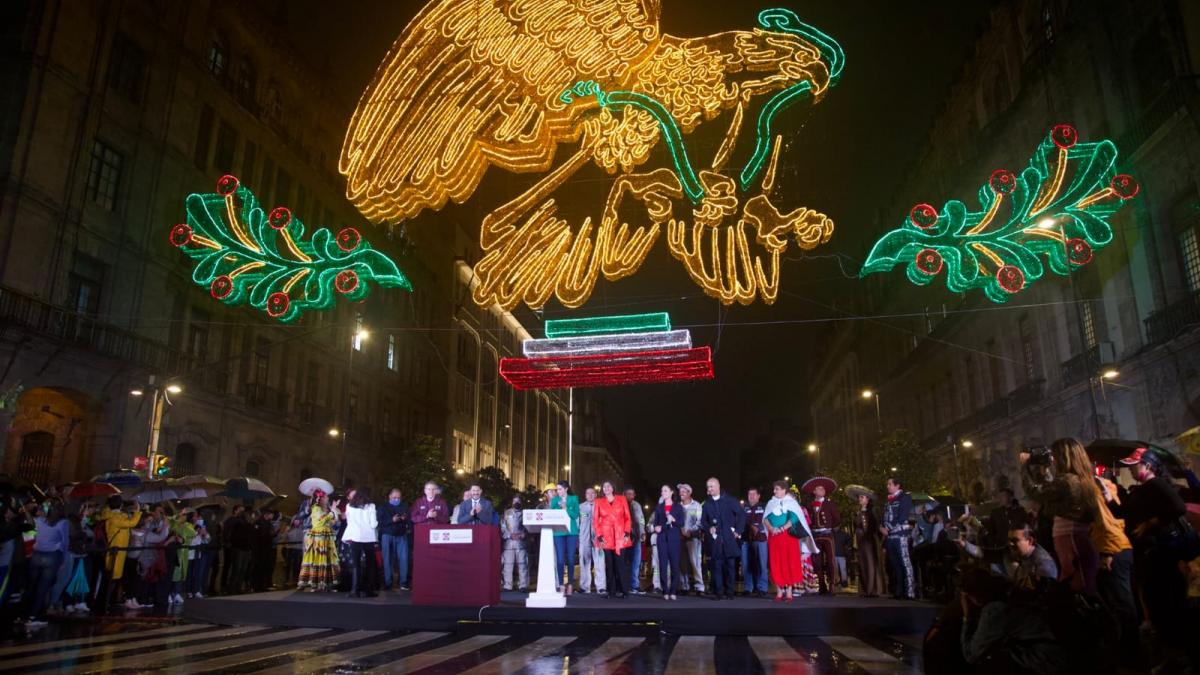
(824, 519)
(897, 533)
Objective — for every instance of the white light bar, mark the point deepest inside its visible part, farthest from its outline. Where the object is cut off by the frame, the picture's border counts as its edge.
(602, 344)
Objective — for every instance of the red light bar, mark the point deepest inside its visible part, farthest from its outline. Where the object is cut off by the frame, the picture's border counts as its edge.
(600, 370)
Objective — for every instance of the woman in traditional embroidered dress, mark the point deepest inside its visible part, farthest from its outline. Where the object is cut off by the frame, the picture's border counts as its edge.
(319, 569)
(783, 551)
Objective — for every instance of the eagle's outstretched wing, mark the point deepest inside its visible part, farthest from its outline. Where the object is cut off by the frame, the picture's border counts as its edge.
(476, 82)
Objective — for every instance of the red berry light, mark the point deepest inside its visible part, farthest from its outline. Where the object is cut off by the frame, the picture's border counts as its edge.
(280, 217)
(1064, 136)
(1079, 251)
(1124, 186)
(227, 185)
(221, 287)
(181, 235)
(348, 239)
(1010, 278)
(923, 216)
(929, 261)
(1003, 181)
(346, 281)
(277, 304)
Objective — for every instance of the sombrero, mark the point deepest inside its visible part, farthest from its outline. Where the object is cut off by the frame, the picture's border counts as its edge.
(856, 490)
(811, 484)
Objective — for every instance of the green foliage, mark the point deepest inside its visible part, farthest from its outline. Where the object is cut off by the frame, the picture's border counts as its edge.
(917, 467)
(423, 460)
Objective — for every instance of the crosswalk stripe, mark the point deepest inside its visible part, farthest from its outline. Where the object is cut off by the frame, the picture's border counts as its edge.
(692, 654)
(518, 658)
(319, 663)
(436, 656)
(220, 662)
(914, 641)
(156, 658)
(865, 656)
(773, 652)
(124, 646)
(606, 657)
(96, 640)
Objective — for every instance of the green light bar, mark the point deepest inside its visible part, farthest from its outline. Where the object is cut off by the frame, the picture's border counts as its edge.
(609, 325)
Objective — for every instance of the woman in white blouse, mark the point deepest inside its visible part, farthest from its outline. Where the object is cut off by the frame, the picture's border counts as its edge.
(360, 535)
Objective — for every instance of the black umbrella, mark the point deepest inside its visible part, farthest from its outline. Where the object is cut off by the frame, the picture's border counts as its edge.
(246, 489)
(948, 500)
(14, 485)
(1110, 451)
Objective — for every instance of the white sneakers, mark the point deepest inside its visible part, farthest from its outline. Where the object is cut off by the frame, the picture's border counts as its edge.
(175, 599)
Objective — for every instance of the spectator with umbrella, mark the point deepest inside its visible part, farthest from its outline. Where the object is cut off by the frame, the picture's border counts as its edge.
(119, 519)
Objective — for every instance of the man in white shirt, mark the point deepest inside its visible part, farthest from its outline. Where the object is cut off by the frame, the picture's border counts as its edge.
(692, 541)
(591, 557)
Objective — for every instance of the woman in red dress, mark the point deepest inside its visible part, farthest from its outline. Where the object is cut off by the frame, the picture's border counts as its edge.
(783, 549)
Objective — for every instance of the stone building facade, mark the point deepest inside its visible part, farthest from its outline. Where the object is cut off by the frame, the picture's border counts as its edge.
(1111, 352)
(115, 112)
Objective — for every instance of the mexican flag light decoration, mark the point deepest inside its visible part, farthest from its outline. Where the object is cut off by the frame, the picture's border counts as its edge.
(245, 255)
(1058, 209)
(608, 351)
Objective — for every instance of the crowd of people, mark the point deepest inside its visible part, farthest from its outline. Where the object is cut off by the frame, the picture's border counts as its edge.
(1084, 563)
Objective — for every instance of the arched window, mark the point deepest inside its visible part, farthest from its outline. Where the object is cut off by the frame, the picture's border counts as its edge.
(184, 459)
(37, 452)
(253, 468)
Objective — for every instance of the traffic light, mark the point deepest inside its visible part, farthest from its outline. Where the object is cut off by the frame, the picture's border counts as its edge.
(162, 465)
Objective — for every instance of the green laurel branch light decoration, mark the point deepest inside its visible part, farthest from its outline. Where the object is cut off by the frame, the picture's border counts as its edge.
(1058, 209)
(247, 256)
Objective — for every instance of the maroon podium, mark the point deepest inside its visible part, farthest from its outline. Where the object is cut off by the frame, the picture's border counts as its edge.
(456, 565)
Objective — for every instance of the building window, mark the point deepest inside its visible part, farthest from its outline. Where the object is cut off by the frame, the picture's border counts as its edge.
(86, 280)
(226, 147)
(184, 461)
(359, 333)
(253, 468)
(1027, 348)
(104, 176)
(1189, 247)
(250, 163)
(262, 360)
(283, 189)
(1088, 317)
(127, 68)
(246, 83)
(37, 454)
(197, 346)
(218, 58)
(311, 382)
(391, 352)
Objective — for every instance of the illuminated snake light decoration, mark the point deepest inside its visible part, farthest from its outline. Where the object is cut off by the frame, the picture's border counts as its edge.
(475, 83)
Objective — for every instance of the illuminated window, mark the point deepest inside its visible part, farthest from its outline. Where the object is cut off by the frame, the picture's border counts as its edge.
(218, 58)
(1088, 316)
(358, 332)
(391, 352)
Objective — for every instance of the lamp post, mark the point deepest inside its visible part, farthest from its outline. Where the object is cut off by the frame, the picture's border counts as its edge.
(955, 442)
(868, 394)
(160, 397)
(357, 339)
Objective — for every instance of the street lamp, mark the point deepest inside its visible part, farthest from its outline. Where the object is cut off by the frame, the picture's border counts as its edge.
(459, 471)
(1110, 374)
(955, 442)
(333, 432)
(1046, 223)
(813, 448)
(174, 389)
(158, 406)
(867, 395)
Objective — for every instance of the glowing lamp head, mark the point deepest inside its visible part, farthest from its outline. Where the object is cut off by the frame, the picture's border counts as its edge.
(812, 447)
(967, 444)
(136, 392)
(868, 393)
(1110, 374)
(174, 389)
(459, 471)
(1046, 223)
(333, 432)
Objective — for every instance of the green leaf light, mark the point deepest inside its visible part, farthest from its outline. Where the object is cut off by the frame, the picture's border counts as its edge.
(1058, 210)
(244, 255)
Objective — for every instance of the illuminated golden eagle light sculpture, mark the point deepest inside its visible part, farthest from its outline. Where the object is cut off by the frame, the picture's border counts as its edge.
(474, 83)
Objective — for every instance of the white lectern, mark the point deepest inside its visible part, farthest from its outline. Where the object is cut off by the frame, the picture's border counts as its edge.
(546, 521)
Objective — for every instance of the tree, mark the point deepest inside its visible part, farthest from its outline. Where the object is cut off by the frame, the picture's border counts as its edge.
(423, 460)
(897, 454)
(496, 486)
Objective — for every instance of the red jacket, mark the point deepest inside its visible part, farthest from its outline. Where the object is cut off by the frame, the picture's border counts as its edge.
(611, 522)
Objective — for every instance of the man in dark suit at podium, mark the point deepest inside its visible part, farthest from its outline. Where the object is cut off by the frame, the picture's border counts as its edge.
(723, 521)
(476, 510)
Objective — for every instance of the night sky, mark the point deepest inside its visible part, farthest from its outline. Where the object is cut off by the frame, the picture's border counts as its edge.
(848, 152)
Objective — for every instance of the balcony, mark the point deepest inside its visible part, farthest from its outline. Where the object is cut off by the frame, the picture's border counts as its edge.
(87, 332)
(1080, 367)
(1174, 319)
(263, 397)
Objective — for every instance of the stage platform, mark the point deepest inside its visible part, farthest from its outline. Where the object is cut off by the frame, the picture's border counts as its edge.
(822, 615)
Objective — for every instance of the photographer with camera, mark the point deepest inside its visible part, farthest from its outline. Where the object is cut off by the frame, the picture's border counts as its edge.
(1060, 479)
